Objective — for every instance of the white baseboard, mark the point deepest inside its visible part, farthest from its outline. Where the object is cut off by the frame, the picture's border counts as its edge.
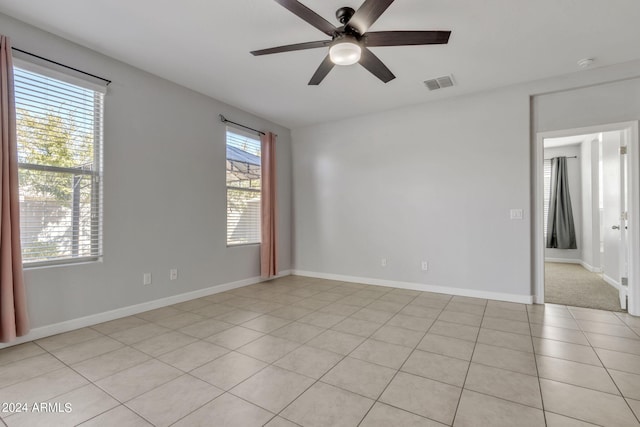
(590, 267)
(94, 319)
(611, 281)
(575, 261)
(522, 299)
(563, 260)
(623, 291)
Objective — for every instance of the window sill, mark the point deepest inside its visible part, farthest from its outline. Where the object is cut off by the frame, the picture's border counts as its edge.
(237, 245)
(65, 263)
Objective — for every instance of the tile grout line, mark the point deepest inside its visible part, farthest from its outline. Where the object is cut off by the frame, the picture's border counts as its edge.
(369, 337)
(234, 350)
(225, 391)
(198, 339)
(612, 379)
(268, 364)
(124, 345)
(407, 358)
(90, 382)
(209, 401)
(272, 363)
(377, 399)
(344, 357)
(466, 375)
(151, 357)
(535, 361)
(580, 386)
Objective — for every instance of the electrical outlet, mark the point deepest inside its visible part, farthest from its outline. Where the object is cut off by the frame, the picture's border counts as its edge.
(173, 274)
(383, 262)
(146, 279)
(424, 265)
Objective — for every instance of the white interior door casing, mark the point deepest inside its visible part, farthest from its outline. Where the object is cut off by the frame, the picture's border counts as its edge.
(625, 138)
(633, 218)
(632, 186)
(611, 207)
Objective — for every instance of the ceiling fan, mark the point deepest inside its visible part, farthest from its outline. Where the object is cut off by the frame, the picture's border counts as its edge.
(350, 42)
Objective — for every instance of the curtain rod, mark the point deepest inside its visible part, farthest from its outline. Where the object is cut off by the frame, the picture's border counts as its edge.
(223, 119)
(107, 81)
(568, 157)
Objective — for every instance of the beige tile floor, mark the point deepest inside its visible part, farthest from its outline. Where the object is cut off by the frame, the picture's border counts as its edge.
(311, 352)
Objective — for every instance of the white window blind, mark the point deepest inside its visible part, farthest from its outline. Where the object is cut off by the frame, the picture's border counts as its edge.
(243, 188)
(547, 192)
(59, 129)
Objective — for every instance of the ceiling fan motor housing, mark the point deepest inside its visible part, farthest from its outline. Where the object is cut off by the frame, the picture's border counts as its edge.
(344, 14)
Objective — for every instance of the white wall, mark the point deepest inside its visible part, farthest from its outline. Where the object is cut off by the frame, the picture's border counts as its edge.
(574, 170)
(164, 192)
(436, 182)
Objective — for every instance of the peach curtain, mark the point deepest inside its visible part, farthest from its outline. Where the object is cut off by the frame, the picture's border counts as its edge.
(268, 207)
(13, 311)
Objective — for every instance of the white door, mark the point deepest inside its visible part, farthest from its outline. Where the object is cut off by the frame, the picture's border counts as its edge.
(614, 166)
(624, 220)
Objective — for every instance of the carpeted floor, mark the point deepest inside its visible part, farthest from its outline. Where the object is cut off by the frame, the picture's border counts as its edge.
(572, 284)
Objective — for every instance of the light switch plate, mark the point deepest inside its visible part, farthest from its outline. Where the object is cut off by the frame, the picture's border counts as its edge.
(516, 213)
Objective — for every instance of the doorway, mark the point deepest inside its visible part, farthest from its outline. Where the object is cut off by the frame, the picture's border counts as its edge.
(598, 269)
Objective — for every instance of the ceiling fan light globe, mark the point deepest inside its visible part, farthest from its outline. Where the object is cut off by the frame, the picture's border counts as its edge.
(345, 53)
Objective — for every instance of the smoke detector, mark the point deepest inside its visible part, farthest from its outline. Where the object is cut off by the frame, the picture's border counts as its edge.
(439, 82)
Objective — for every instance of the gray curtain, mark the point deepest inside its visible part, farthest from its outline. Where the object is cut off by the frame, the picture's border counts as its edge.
(561, 232)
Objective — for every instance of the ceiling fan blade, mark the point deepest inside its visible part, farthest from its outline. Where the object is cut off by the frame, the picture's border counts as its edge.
(372, 63)
(322, 71)
(367, 14)
(292, 47)
(306, 14)
(406, 38)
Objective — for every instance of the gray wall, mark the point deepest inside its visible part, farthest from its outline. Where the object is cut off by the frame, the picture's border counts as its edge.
(614, 102)
(598, 97)
(164, 192)
(436, 182)
(433, 182)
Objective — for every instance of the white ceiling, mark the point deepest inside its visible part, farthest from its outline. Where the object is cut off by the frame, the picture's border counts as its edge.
(204, 45)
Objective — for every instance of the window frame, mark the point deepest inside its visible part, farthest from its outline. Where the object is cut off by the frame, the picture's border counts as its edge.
(546, 196)
(248, 135)
(95, 173)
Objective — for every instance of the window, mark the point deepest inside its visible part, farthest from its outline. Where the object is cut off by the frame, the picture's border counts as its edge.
(59, 129)
(547, 192)
(243, 188)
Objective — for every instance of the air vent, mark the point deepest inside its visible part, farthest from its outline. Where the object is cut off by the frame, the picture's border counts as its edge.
(439, 82)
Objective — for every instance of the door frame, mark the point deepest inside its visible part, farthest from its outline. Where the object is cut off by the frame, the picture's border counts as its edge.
(633, 236)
